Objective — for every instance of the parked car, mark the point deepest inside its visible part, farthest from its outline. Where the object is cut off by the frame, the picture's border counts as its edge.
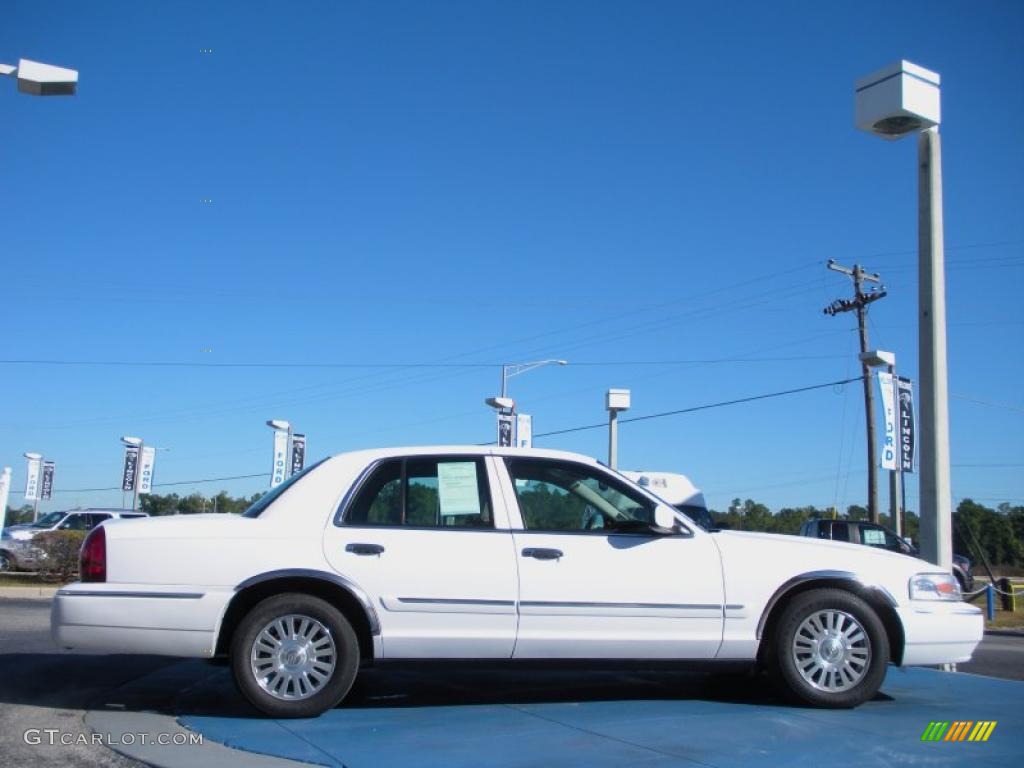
(497, 553)
(874, 535)
(680, 493)
(17, 551)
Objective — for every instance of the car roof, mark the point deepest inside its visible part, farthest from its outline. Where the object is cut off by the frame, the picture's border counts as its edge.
(477, 450)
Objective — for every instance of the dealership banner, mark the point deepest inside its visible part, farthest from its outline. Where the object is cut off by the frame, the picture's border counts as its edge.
(32, 479)
(49, 467)
(505, 430)
(298, 453)
(908, 429)
(278, 472)
(131, 468)
(889, 441)
(147, 465)
(5, 494)
(524, 430)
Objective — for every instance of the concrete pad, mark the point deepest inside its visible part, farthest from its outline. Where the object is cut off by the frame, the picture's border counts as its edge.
(659, 731)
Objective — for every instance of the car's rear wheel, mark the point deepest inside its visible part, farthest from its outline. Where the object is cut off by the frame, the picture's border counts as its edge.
(830, 649)
(294, 655)
(6, 563)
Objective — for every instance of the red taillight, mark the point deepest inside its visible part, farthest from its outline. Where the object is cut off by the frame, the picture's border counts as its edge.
(93, 560)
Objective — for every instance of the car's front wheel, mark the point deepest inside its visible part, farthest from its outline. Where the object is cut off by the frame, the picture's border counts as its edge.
(294, 655)
(830, 649)
(6, 563)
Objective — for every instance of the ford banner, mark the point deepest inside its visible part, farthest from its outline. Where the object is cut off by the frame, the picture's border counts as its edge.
(32, 478)
(278, 472)
(147, 465)
(889, 418)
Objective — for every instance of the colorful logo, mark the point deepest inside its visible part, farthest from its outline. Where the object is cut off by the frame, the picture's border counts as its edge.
(959, 730)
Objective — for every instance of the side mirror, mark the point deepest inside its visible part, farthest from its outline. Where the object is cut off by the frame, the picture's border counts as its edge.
(664, 520)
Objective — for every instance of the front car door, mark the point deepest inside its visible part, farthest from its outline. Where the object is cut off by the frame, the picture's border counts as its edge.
(424, 538)
(594, 580)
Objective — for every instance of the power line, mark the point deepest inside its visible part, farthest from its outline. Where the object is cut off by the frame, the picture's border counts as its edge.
(695, 408)
(584, 364)
(167, 485)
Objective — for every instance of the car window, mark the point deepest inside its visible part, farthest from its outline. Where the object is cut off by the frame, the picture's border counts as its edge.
(260, 505)
(424, 492)
(75, 523)
(840, 531)
(698, 514)
(97, 517)
(564, 496)
(875, 536)
(48, 520)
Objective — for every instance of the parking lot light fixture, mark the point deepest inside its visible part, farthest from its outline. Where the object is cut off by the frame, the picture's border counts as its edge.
(615, 400)
(905, 100)
(40, 79)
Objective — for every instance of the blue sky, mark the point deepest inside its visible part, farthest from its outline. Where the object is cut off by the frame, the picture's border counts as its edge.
(480, 182)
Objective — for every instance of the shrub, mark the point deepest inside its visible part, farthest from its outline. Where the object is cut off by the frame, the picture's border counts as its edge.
(58, 560)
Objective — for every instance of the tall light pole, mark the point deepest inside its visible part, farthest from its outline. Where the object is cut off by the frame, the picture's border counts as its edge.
(615, 400)
(901, 100)
(41, 79)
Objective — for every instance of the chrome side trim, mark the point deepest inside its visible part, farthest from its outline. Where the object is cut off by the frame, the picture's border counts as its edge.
(113, 593)
(307, 573)
(666, 606)
(453, 601)
(803, 578)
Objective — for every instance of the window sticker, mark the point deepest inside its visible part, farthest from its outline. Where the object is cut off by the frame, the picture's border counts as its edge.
(872, 537)
(457, 488)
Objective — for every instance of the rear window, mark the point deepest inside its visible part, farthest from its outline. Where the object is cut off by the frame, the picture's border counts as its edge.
(274, 494)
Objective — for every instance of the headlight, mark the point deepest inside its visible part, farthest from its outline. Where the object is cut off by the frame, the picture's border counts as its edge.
(934, 586)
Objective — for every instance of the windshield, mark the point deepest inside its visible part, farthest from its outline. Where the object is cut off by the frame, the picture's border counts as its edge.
(49, 520)
(699, 515)
(273, 494)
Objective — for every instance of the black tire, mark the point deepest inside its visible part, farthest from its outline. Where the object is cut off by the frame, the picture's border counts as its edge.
(6, 563)
(838, 667)
(318, 690)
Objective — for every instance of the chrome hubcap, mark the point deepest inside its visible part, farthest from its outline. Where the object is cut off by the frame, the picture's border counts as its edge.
(293, 657)
(831, 651)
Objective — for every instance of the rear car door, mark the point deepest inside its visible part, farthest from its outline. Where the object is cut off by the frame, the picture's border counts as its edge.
(595, 581)
(423, 537)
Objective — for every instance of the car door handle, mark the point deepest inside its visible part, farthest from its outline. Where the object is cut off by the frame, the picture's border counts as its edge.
(364, 549)
(539, 553)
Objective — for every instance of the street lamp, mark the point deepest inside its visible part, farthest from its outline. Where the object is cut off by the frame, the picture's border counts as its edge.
(615, 400)
(901, 100)
(41, 79)
(505, 405)
(514, 369)
(893, 439)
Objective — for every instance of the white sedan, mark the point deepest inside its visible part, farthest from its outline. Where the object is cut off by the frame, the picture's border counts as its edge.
(493, 553)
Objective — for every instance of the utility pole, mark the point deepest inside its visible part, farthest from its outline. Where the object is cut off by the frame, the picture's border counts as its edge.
(859, 303)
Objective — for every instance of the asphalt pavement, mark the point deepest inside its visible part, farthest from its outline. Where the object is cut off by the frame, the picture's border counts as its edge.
(45, 687)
